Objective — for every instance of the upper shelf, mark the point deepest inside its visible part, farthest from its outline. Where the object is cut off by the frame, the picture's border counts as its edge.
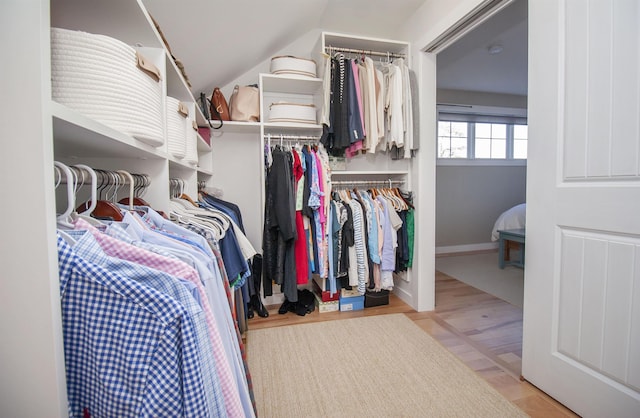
(125, 20)
(79, 136)
(272, 83)
(338, 40)
(235, 127)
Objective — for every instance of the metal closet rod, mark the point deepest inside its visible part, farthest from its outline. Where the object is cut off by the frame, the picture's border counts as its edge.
(388, 183)
(365, 52)
(106, 177)
(296, 137)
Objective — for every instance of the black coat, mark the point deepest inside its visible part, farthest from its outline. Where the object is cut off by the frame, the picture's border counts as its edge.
(280, 227)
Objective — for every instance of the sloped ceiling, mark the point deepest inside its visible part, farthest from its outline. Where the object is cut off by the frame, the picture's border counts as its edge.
(220, 40)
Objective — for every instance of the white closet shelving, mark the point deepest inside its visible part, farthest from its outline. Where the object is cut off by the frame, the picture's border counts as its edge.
(239, 146)
(79, 139)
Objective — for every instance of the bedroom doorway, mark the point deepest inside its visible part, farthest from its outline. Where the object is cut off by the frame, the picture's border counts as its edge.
(481, 166)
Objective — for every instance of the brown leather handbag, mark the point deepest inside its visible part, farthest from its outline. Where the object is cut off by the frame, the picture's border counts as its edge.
(219, 106)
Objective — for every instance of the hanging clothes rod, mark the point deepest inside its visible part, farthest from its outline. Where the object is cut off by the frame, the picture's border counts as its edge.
(331, 49)
(275, 137)
(106, 178)
(387, 183)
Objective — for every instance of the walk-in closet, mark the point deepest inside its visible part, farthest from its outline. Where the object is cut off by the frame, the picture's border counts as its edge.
(143, 236)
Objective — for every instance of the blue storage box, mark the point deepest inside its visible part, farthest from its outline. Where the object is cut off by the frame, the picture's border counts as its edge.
(351, 300)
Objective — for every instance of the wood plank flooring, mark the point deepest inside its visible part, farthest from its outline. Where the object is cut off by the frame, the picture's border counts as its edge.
(483, 331)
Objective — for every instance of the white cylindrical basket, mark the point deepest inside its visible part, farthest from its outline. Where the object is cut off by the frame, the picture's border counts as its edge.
(108, 81)
(177, 116)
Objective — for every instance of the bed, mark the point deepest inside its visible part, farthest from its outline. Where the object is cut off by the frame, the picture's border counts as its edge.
(509, 231)
(513, 218)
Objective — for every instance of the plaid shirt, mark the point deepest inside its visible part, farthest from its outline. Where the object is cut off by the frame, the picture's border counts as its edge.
(125, 351)
(119, 249)
(88, 249)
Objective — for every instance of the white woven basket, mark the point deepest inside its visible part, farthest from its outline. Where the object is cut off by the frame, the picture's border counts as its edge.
(176, 128)
(99, 76)
(293, 66)
(292, 113)
(191, 155)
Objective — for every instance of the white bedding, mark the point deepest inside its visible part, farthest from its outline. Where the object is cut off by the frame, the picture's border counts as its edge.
(513, 218)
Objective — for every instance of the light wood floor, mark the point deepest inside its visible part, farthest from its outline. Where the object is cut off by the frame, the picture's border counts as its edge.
(483, 331)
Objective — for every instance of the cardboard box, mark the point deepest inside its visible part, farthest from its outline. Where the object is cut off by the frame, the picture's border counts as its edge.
(325, 294)
(323, 307)
(351, 300)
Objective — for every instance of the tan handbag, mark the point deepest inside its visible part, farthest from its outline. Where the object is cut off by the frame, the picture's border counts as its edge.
(244, 104)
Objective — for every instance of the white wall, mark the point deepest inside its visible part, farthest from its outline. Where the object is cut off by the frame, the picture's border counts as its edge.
(469, 199)
(31, 357)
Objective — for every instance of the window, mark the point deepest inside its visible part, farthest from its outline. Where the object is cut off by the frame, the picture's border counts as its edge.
(452, 139)
(482, 140)
(520, 135)
(490, 140)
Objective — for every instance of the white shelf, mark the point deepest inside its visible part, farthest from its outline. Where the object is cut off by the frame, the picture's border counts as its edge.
(272, 83)
(176, 163)
(277, 128)
(339, 40)
(202, 171)
(124, 20)
(235, 127)
(79, 136)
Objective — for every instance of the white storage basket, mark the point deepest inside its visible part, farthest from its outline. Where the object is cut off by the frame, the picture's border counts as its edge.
(102, 78)
(177, 116)
(292, 113)
(293, 66)
(191, 156)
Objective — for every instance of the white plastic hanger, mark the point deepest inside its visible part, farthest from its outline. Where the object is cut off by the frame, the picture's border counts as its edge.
(64, 219)
(86, 215)
(129, 177)
(94, 188)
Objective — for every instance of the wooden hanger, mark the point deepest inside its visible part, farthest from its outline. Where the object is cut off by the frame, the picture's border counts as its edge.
(406, 202)
(140, 183)
(104, 209)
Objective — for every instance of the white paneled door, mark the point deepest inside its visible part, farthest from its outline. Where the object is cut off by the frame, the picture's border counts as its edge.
(582, 279)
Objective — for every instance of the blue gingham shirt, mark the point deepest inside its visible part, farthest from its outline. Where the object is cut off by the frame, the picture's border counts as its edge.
(88, 248)
(125, 349)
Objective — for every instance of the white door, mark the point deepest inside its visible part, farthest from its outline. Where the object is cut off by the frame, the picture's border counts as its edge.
(582, 279)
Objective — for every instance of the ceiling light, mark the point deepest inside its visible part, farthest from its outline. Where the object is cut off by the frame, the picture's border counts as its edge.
(495, 49)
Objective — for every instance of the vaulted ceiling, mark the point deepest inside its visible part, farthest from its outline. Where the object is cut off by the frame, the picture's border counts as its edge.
(220, 40)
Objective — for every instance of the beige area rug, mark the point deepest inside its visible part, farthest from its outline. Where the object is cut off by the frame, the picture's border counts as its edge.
(375, 366)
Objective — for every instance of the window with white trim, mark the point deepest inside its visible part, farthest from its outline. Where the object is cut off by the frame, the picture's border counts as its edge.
(481, 137)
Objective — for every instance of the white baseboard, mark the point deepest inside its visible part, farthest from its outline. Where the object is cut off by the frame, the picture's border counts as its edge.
(452, 249)
(403, 295)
